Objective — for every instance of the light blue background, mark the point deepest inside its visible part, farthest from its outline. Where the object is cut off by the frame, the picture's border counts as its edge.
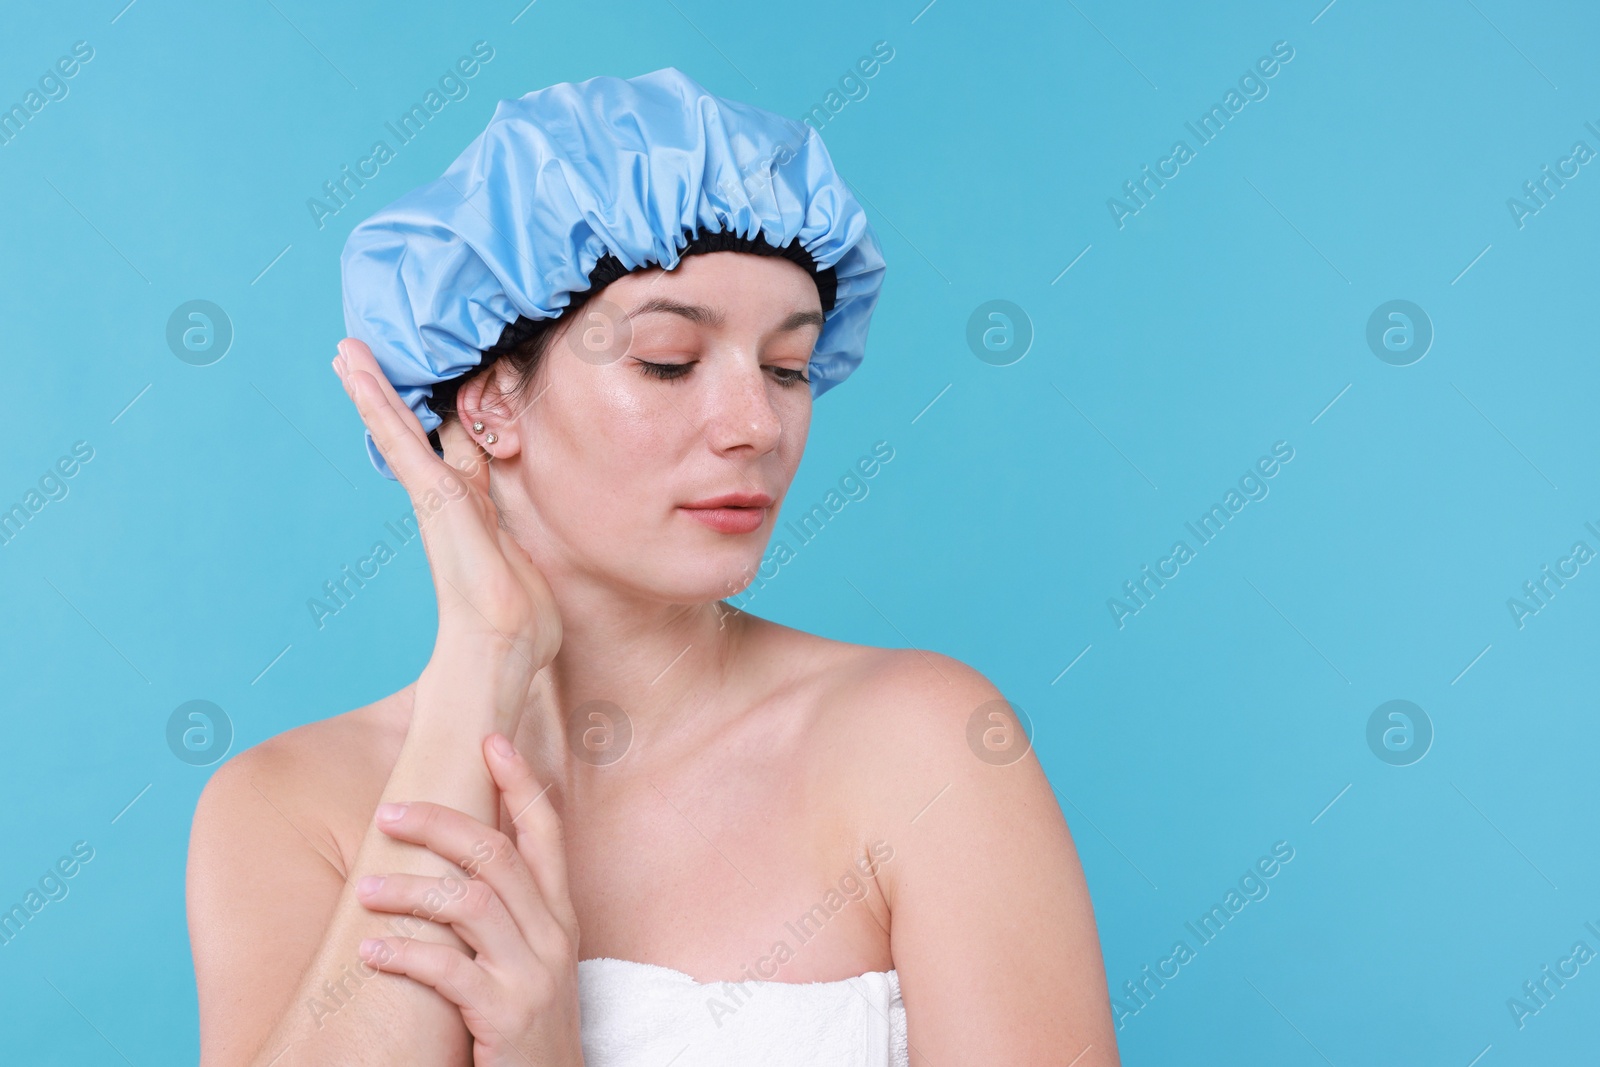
(1222, 318)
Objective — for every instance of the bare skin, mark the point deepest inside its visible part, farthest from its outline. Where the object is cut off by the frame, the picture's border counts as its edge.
(766, 767)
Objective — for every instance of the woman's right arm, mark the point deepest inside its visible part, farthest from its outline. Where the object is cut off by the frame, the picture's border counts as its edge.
(274, 927)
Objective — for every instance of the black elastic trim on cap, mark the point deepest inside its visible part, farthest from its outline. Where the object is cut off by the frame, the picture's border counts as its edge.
(609, 268)
(512, 337)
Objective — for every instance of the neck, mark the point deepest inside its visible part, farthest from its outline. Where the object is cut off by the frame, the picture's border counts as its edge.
(634, 682)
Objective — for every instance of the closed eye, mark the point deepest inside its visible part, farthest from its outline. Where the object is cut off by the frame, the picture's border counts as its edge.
(666, 371)
(786, 376)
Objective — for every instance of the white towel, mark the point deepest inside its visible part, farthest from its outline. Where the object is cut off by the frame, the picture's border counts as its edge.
(641, 1015)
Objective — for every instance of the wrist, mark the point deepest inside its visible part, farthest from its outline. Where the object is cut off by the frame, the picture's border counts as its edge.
(473, 687)
(492, 652)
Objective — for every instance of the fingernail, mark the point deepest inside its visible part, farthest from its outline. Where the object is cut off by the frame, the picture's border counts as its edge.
(344, 348)
(390, 812)
(338, 365)
(369, 885)
(370, 946)
(502, 746)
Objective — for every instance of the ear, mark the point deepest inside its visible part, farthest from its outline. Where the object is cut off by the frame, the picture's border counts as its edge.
(483, 398)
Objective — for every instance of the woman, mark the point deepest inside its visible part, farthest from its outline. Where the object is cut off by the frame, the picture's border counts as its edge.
(615, 820)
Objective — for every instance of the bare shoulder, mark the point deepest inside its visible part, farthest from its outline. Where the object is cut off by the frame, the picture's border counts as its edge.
(914, 713)
(912, 687)
(976, 862)
(870, 679)
(903, 730)
(307, 777)
(274, 833)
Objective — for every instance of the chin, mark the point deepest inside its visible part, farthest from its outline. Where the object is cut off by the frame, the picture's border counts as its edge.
(709, 577)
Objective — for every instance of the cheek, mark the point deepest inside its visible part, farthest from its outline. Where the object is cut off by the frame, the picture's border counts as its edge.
(602, 447)
(633, 435)
(796, 427)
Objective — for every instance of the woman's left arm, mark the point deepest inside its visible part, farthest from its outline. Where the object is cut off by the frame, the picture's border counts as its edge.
(992, 930)
(518, 990)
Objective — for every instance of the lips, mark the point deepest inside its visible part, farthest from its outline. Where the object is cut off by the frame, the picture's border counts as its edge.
(734, 500)
(732, 513)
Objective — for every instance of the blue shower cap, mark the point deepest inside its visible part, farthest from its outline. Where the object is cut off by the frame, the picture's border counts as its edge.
(626, 171)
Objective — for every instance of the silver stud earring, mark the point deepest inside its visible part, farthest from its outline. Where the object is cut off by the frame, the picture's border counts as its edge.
(477, 427)
(491, 439)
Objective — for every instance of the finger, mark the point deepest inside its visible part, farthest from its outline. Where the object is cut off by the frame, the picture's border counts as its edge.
(448, 970)
(394, 427)
(472, 908)
(487, 854)
(541, 840)
(357, 355)
(464, 454)
(454, 835)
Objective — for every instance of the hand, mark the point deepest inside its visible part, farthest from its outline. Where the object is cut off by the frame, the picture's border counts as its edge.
(489, 589)
(519, 994)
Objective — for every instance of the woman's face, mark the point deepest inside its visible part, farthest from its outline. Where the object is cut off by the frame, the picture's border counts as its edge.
(667, 389)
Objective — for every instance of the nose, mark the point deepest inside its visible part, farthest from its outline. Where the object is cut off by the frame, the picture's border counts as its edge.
(740, 413)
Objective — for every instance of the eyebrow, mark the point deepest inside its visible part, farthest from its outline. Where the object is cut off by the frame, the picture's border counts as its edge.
(705, 316)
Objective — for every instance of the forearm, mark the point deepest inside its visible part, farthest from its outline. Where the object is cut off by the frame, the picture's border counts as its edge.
(344, 1011)
(464, 694)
